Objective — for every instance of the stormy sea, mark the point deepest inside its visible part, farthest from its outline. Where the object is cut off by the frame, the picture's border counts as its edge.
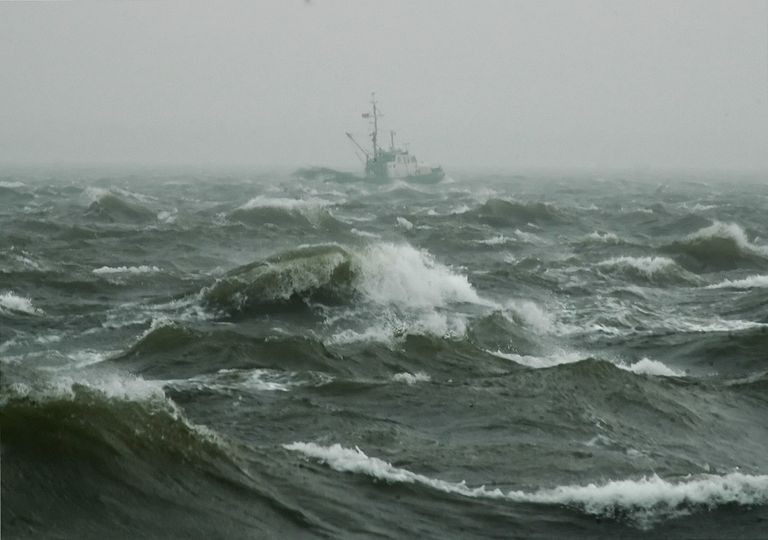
(238, 355)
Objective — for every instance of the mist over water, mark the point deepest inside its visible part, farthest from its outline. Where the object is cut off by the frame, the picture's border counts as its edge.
(257, 354)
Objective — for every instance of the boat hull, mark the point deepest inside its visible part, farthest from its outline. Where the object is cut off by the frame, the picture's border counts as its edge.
(432, 177)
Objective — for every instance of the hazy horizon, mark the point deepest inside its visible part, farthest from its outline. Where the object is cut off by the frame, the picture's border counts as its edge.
(513, 85)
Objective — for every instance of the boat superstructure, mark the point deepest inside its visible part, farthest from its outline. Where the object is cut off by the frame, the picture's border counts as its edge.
(393, 163)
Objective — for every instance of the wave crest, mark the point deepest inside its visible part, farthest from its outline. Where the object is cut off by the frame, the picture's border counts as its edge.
(504, 212)
(649, 269)
(721, 246)
(108, 207)
(644, 501)
(384, 273)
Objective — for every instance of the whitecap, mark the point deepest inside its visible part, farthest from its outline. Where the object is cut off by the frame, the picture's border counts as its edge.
(285, 203)
(143, 269)
(556, 358)
(645, 265)
(12, 303)
(403, 275)
(645, 500)
(404, 223)
(646, 366)
(411, 378)
(495, 241)
(751, 282)
(603, 237)
(731, 231)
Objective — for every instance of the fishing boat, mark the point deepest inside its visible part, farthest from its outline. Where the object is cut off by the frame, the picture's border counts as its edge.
(384, 165)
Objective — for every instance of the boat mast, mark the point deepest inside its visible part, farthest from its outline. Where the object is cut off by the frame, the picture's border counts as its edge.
(375, 134)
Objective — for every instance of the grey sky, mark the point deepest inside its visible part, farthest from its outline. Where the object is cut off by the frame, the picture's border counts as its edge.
(492, 83)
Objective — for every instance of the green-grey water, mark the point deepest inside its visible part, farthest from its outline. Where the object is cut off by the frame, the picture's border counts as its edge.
(495, 356)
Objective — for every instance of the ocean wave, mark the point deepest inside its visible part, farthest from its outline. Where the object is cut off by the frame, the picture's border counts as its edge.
(142, 269)
(11, 185)
(404, 223)
(646, 366)
(88, 437)
(720, 246)
(175, 352)
(538, 362)
(310, 213)
(411, 378)
(601, 237)
(650, 269)
(230, 380)
(382, 273)
(497, 240)
(285, 203)
(643, 502)
(752, 282)
(108, 207)
(298, 277)
(392, 328)
(510, 213)
(96, 388)
(532, 315)
(11, 303)
(403, 275)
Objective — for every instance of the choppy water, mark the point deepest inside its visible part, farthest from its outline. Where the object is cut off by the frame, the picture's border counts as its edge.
(494, 356)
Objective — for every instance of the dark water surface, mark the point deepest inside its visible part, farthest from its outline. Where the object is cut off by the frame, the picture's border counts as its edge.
(252, 356)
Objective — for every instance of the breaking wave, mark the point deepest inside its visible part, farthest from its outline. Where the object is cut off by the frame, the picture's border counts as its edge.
(11, 303)
(510, 213)
(649, 269)
(646, 366)
(644, 501)
(385, 273)
(143, 269)
(285, 212)
(109, 207)
(721, 246)
(751, 282)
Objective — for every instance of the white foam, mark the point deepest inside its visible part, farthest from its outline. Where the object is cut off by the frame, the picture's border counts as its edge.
(404, 224)
(495, 241)
(730, 231)
(714, 325)
(95, 194)
(133, 195)
(531, 315)
(12, 303)
(88, 356)
(751, 282)
(403, 275)
(26, 261)
(285, 203)
(11, 185)
(604, 237)
(143, 269)
(646, 265)
(364, 234)
(45, 340)
(168, 216)
(646, 366)
(225, 380)
(117, 386)
(645, 501)
(538, 362)
(389, 329)
(527, 237)
(411, 378)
